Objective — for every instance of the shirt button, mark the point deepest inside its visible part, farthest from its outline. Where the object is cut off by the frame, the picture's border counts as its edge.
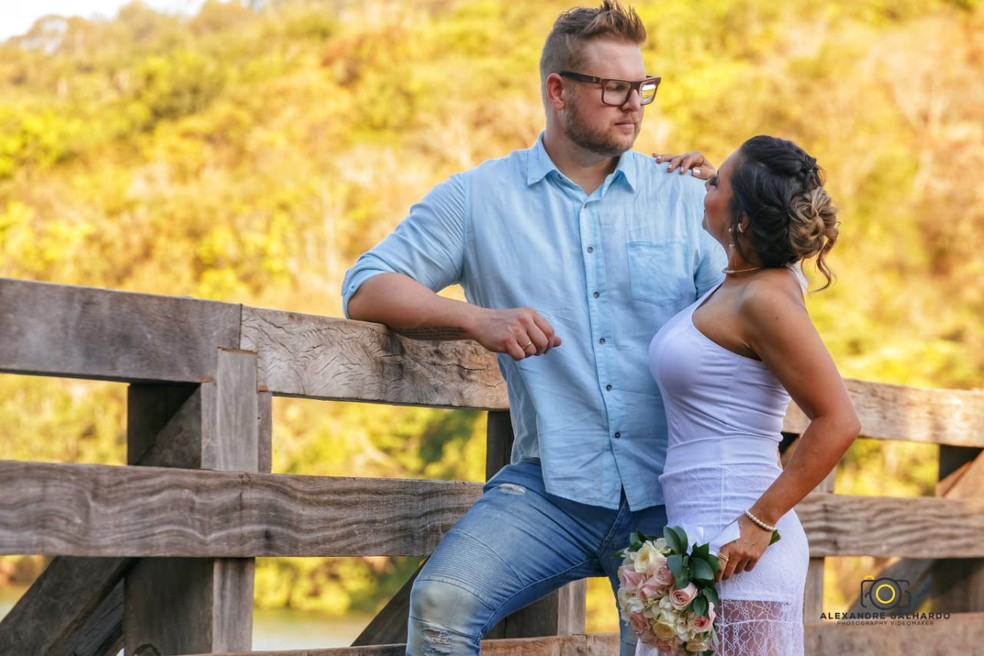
(608, 388)
(591, 249)
(618, 435)
(601, 341)
(596, 294)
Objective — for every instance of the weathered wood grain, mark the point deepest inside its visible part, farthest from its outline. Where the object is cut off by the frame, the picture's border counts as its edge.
(914, 414)
(917, 527)
(230, 441)
(98, 510)
(325, 358)
(49, 618)
(102, 634)
(83, 332)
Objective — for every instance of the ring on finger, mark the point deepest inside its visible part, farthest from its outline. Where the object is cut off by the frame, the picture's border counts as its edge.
(527, 345)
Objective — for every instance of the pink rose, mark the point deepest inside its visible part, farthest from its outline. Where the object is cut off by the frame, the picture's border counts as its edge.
(664, 646)
(681, 598)
(652, 589)
(700, 624)
(629, 577)
(663, 575)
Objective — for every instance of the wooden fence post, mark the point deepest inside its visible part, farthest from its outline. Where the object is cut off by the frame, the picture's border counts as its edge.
(190, 605)
(958, 584)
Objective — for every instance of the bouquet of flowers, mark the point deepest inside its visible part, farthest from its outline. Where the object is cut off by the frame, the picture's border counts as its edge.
(667, 592)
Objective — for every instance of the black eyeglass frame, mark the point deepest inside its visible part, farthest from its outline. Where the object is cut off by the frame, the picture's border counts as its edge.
(602, 82)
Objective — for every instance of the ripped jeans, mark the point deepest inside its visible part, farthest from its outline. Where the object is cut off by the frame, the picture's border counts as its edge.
(516, 544)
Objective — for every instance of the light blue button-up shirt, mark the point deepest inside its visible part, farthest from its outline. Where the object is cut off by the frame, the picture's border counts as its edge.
(606, 270)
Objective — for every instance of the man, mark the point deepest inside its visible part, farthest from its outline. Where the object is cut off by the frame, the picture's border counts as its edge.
(575, 250)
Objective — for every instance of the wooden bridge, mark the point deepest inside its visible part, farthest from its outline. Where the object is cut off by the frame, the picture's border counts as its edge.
(157, 557)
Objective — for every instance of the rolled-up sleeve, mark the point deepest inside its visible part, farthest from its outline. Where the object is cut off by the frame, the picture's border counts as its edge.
(428, 245)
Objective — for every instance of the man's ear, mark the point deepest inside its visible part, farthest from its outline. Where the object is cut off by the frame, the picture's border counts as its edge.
(555, 91)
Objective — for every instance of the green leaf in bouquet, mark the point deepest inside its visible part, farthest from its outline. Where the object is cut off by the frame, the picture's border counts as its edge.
(701, 551)
(699, 606)
(678, 567)
(711, 594)
(676, 539)
(701, 570)
(635, 540)
(775, 537)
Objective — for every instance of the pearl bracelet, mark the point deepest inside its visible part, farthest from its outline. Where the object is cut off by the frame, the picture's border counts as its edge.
(758, 522)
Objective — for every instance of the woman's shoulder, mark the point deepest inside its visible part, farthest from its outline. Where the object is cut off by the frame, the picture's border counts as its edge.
(773, 292)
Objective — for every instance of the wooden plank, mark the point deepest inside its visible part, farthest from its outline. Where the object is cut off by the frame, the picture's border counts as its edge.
(325, 358)
(264, 436)
(102, 634)
(230, 438)
(960, 634)
(841, 525)
(83, 332)
(914, 414)
(100, 510)
(53, 612)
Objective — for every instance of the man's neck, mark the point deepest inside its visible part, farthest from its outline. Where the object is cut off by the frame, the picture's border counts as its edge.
(585, 168)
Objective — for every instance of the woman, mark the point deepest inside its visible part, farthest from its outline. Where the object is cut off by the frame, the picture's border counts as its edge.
(727, 367)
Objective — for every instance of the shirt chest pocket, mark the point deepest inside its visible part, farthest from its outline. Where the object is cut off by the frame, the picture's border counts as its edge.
(659, 272)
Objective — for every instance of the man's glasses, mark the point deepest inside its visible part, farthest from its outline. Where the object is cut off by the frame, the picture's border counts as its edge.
(618, 92)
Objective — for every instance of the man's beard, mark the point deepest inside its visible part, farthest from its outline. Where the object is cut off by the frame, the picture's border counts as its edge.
(597, 141)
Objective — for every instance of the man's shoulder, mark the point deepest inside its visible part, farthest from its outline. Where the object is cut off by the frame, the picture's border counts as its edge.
(515, 160)
(653, 175)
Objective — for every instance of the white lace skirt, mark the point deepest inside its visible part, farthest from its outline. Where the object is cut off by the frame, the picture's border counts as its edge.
(761, 612)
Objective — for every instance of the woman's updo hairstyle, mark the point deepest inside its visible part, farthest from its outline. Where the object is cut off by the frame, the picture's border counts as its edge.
(779, 187)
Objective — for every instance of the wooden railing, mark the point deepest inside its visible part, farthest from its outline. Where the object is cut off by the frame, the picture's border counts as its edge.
(157, 557)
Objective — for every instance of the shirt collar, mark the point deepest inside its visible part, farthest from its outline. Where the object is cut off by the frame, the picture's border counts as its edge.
(540, 165)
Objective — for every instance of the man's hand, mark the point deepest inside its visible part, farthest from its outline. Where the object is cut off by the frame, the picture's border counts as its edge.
(694, 161)
(518, 332)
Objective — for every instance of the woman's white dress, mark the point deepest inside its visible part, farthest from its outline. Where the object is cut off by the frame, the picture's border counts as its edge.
(725, 414)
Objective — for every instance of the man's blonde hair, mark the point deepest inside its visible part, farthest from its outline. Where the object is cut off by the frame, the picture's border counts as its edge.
(575, 27)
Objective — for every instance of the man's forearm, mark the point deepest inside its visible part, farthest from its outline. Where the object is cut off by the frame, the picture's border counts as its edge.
(410, 308)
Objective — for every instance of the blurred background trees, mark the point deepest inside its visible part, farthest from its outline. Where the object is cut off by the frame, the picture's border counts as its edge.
(250, 153)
